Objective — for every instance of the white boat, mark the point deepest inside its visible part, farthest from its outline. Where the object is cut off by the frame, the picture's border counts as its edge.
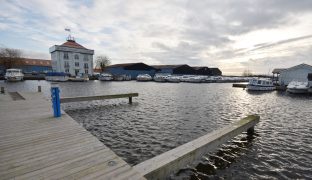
(260, 85)
(160, 77)
(193, 79)
(57, 76)
(144, 77)
(298, 87)
(105, 77)
(173, 79)
(81, 78)
(14, 75)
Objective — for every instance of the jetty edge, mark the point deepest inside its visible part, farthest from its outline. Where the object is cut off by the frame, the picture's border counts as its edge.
(161, 166)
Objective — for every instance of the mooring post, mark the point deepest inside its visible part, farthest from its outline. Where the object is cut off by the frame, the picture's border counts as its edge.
(2, 90)
(39, 88)
(251, 130)
(56, 103)
(130, 100)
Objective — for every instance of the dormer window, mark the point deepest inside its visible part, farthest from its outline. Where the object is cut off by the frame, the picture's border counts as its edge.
(66, 55)
(76, 56)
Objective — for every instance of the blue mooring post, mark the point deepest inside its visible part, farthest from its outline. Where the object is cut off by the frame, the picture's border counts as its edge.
(56, 103)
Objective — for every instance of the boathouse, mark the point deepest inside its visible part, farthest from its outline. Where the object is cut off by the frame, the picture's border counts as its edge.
(295, 73)
(182, 69)
(215, 72)
(132, 69)
(202, 70)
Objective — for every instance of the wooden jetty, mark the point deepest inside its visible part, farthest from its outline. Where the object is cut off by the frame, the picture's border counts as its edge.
(102, 97)
(161, 166)
(35, 145)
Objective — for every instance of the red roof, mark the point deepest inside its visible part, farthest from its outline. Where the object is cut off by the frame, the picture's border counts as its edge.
(73, 44)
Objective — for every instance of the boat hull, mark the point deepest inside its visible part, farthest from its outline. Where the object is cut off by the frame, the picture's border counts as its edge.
(56, 78)
(14, 78)
(260, 88)
(298, 91)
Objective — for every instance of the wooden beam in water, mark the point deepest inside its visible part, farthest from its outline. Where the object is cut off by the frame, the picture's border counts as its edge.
(92, 98)
(161, 166)
(240, 85)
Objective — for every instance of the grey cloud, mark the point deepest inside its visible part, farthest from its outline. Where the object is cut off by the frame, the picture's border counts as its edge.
(269, 45)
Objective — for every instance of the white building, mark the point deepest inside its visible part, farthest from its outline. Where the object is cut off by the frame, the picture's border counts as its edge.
(72, 58)
(295, 73)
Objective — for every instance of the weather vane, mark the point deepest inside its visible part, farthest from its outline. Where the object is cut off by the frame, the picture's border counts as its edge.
(69, 35)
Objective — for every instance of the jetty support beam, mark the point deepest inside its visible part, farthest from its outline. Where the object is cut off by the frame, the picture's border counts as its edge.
(161, 166)
(92, 98)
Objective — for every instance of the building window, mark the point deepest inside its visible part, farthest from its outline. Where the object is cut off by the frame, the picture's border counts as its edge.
(66, 64)
(85, 57)
(76, 72)
(77, 64)
(67, 70)
(76, 56)
(86, 71)
(66, 55)
(86, 65)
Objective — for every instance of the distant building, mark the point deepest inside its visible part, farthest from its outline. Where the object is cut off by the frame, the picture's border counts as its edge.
(132, 69)
(71, 57)
(295, 73)
(202, 70)
(215, 72)
(28, 65)
(182, 69)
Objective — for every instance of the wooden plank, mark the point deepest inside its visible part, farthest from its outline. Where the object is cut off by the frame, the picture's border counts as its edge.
(160, 167)
(92, 98)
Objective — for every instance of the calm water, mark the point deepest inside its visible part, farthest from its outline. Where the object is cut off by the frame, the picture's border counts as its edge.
(166, 115)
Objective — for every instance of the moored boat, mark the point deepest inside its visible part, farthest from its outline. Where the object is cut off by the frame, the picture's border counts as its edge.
(297, 87)
(79, 78)
(144, 77)
(160, 77)
(13, 75)
(105, 77)
(173, 79)
(260, 85)
(57, 76)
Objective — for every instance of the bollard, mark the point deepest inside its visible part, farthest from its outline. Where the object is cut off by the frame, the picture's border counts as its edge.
(39, 88)
(130, 100)
(2, 90)
(56, 103)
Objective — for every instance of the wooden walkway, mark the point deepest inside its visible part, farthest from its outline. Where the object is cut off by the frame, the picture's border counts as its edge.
(35, 145)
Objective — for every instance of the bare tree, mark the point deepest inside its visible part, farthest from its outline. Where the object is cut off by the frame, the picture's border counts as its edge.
(9, 56)
(102, 62)
(247, 72)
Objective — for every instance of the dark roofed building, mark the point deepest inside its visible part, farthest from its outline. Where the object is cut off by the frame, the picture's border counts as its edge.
(132, 69)
(179, 69)
(202, 70)
(215, 72)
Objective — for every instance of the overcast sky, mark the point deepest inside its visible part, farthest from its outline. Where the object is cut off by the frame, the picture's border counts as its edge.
(233, 35)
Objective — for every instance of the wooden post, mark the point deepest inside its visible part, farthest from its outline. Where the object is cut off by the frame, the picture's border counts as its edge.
(130, 100)
(250, 131)
(39, 88)
(2, 90)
